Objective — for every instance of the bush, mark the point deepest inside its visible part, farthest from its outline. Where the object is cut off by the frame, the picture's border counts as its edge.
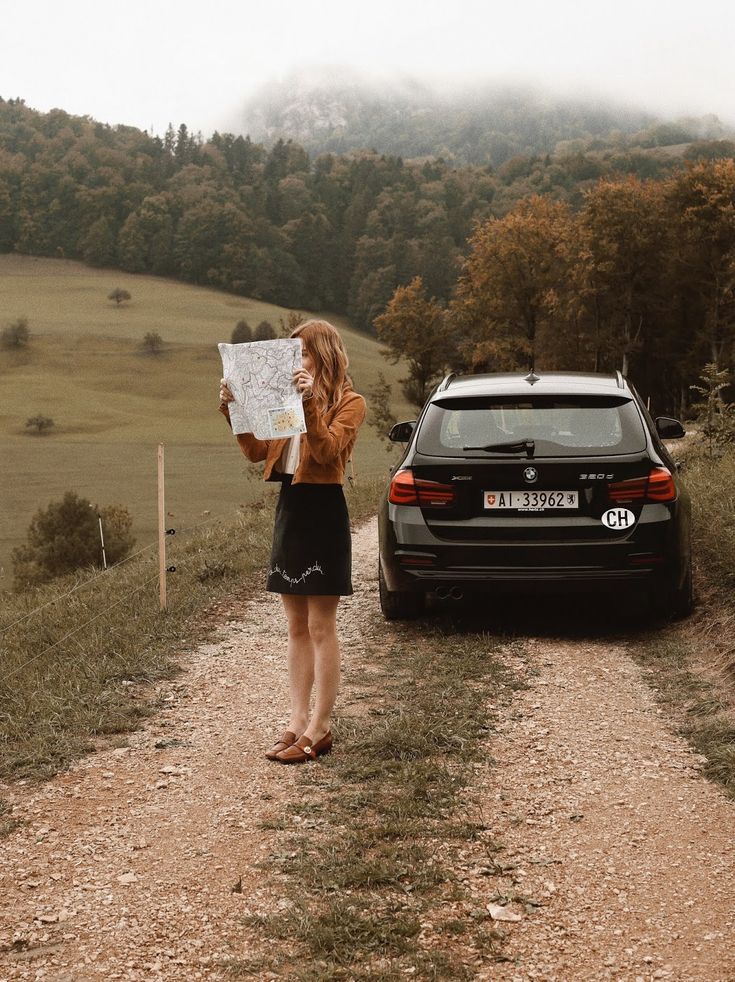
(118, 295)
(152, 343)
(289, 324)
(16, 335)
(381, 416)
(265, 331)
(41, 424)
(242, 333)
(65, 536)
(716, 418)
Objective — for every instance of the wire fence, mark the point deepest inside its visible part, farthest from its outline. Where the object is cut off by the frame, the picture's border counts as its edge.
(180, 532)
(20, 668)
(79, 586)
(187, 530)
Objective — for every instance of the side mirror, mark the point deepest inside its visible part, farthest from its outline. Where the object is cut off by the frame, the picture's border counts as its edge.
(402, 432)
(668, 428)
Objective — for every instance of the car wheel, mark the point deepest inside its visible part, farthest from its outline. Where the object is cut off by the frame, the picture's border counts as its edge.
(682, 600)
(675, 602)
(398, 605)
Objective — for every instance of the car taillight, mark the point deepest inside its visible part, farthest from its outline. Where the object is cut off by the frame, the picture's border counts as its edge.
(658, 486)
(405, 489)
(661, 485)
(634, 490)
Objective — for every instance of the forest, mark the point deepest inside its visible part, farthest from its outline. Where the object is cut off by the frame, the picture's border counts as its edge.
(640, 278)
(617, 257)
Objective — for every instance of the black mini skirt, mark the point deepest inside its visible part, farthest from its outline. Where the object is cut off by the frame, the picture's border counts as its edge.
(312, 545)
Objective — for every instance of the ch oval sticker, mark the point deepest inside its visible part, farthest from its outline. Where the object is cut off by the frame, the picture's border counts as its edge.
(618, 519)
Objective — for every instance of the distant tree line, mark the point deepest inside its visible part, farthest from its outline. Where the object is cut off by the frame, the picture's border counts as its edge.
(613, 256)
(640, 278)
(337, 233)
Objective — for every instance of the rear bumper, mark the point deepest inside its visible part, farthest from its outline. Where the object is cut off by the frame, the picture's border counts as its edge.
(492, 579)
(653, 552)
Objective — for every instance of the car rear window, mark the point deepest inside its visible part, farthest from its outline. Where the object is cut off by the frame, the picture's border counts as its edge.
(560, 426)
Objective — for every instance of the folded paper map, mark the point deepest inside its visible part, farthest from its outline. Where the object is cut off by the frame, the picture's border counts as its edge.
(260, 376)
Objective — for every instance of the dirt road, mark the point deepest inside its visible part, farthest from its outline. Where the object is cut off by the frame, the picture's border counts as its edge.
(140, 862)
(630, 851)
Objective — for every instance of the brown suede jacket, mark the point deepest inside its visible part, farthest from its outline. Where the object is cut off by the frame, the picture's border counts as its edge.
(325, 447)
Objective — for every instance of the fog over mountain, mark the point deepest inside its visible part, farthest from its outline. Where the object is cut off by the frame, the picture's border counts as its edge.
(335, 110)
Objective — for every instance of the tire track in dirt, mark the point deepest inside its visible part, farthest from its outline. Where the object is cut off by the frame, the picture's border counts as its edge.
(604, 814)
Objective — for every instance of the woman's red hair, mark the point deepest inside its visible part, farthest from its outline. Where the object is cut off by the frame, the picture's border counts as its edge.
(323, 342)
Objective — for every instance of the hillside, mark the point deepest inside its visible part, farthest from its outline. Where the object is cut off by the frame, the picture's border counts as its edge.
(112, 405)
(481, 125)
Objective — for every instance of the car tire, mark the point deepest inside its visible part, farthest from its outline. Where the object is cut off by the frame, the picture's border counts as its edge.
(675, 602)
(682, 600)
(398, 605)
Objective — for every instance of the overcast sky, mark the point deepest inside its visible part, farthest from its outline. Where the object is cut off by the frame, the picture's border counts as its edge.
(150, 62)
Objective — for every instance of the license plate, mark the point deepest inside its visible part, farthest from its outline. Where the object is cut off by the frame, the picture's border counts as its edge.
(531, 500)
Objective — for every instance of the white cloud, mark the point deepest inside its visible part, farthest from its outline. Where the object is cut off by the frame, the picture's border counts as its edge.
(153, 62)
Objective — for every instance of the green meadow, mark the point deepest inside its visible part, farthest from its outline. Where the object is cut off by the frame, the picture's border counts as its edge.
(112, 405)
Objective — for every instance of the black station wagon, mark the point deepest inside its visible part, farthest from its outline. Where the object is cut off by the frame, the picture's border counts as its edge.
(551, 481)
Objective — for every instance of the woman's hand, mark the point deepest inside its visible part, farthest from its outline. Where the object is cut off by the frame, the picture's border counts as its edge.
(224, 391)
(304, 383)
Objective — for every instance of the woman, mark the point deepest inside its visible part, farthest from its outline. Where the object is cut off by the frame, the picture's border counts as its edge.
(312, 551)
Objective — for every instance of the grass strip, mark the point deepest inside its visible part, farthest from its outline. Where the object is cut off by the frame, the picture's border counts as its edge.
(711, 486)
(703, 717)
(372, 884)
(692, 666)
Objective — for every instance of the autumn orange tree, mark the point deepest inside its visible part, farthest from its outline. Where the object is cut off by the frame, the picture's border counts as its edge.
(703, 198)
(640, 278)
(510, 290)
(414, 328)
(624, 250)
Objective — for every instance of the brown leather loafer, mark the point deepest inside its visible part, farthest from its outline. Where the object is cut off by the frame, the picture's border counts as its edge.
(304, 750)
(286, 739)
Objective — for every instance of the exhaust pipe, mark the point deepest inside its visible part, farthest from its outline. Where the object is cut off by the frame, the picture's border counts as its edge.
(449, 593)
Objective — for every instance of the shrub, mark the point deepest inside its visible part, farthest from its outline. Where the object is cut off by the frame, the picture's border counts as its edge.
(41, 424)
(152, 343)
(65, 536)
(16, 335)
(381, 417)
(716, 418)
(265, 331)
(118, 295)
(289, 324)
(242, 333)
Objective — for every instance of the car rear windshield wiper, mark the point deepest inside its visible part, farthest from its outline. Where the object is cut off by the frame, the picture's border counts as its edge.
(519, 446)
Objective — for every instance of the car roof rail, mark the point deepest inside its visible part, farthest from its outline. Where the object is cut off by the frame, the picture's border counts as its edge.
(446, 382)
(619, 379)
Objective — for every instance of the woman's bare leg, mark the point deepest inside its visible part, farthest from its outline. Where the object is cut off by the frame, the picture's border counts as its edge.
(300, 661)
(323, 632)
